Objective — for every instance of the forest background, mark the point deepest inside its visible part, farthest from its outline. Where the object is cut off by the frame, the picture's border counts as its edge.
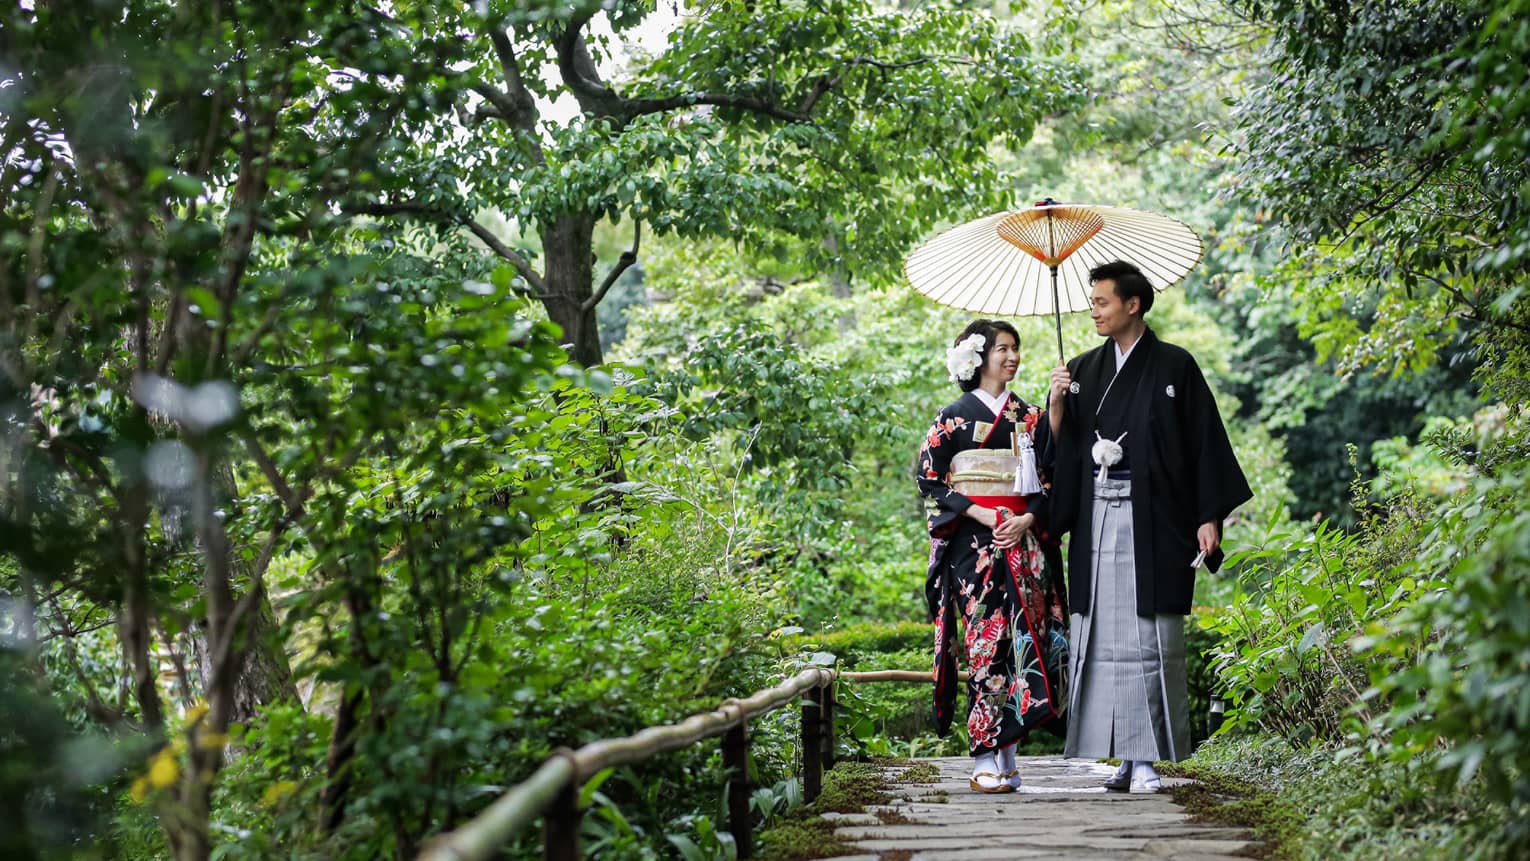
(395, 393)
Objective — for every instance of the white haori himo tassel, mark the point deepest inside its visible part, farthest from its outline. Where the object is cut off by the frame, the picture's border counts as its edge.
(1107, 453)
(1027, 481)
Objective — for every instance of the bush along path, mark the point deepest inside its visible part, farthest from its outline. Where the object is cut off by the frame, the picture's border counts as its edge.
(923, 811)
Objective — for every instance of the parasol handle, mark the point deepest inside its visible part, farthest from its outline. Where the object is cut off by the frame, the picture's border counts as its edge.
(1057, 315)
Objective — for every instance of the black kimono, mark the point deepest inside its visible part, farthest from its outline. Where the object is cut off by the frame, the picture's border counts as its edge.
(1183, 469)
(1013, 612)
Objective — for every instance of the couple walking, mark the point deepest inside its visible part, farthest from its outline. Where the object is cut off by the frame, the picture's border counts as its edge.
(1130, 460)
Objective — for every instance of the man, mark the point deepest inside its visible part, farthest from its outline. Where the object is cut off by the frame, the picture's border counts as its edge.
(1143, 476)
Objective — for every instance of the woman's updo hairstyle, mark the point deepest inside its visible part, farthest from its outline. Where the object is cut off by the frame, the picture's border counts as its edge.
(990, 330)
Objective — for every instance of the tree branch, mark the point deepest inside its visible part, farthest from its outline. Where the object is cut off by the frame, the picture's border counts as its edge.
(639, 107)
(628, 258)
(1478, 314)
(517, 105)
(503, 106)
(244, 218)
(626, 109)
(820, 86)
(1380, 206)
(522, 265)
(578, 70)
(268, 468)
(267, 323)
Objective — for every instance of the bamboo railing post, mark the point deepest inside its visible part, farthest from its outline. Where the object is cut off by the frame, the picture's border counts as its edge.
(560, 822)
(827, 709)
(812, 743)
(735, 751)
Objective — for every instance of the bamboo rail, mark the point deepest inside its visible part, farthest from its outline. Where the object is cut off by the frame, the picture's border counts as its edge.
(552, 791)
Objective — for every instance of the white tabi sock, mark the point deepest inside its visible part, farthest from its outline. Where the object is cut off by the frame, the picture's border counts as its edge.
(988, 763)
(1144, 778)
(1007, 764)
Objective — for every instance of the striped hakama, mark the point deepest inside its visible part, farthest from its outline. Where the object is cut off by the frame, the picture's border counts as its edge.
(1129, 692)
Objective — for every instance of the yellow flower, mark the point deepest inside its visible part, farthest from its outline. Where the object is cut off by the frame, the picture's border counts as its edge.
(140, 789)
(212, 740)
(163, 769)
(277, 791)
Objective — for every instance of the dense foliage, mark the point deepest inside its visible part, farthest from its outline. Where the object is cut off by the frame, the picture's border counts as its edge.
(1389, 140)
(1399, 642)
(340, 483)
(792, 128)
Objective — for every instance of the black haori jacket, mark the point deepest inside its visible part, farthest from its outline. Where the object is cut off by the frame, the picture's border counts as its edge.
(1183, 469)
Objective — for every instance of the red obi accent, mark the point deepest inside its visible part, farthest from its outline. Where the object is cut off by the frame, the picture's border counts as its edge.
(1015, 504)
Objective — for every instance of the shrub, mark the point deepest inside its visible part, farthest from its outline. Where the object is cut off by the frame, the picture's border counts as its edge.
(1405, 641)
(1451, 669)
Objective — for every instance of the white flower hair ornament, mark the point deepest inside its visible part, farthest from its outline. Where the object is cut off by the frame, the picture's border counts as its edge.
(962, 360)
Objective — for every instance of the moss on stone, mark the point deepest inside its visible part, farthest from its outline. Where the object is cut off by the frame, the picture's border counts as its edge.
(848, 787)
(921, 772)
(1223, 799)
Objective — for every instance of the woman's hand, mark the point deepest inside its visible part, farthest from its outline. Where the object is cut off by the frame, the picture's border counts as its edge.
(1009, 533)
(986, 516)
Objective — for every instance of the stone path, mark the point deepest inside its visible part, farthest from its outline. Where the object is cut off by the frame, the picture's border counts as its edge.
(1061, 812)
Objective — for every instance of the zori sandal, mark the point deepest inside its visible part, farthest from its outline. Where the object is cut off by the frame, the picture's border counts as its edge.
(1121, 781)
(999, 783)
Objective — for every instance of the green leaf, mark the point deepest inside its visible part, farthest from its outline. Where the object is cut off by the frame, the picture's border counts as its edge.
(592, 786)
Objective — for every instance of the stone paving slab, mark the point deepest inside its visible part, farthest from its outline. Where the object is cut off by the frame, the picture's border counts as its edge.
(1061, 812)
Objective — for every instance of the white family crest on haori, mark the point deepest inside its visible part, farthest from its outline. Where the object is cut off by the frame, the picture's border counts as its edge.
(1169, 390)
(962, 360)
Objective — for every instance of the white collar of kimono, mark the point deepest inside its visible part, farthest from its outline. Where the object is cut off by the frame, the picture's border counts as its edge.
(1122, 354)
(993, 402)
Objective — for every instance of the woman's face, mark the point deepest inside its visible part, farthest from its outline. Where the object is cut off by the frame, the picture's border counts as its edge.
(1003, 359)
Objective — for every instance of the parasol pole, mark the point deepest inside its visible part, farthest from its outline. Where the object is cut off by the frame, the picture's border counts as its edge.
(1057, 316)
(1052, 253)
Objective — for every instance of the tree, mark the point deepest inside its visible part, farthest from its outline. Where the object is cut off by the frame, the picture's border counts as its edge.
(1388, 143)
(797, 128)
(199, 348)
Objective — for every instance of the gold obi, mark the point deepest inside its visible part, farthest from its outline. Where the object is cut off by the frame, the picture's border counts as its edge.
(984, 472)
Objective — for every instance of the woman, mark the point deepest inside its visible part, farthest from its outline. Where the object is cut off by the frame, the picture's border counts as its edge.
(986, 561)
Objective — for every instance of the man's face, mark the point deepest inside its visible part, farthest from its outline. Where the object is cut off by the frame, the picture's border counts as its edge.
(1111, 315)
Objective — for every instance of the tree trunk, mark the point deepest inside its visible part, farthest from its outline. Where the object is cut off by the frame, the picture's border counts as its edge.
(342, 750)
(264, 676)
(133, 621)
(567, 245)
(839, 276)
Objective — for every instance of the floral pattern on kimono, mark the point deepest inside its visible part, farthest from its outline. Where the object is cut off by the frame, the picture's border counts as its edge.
(1042, 615)
(1014, 686)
